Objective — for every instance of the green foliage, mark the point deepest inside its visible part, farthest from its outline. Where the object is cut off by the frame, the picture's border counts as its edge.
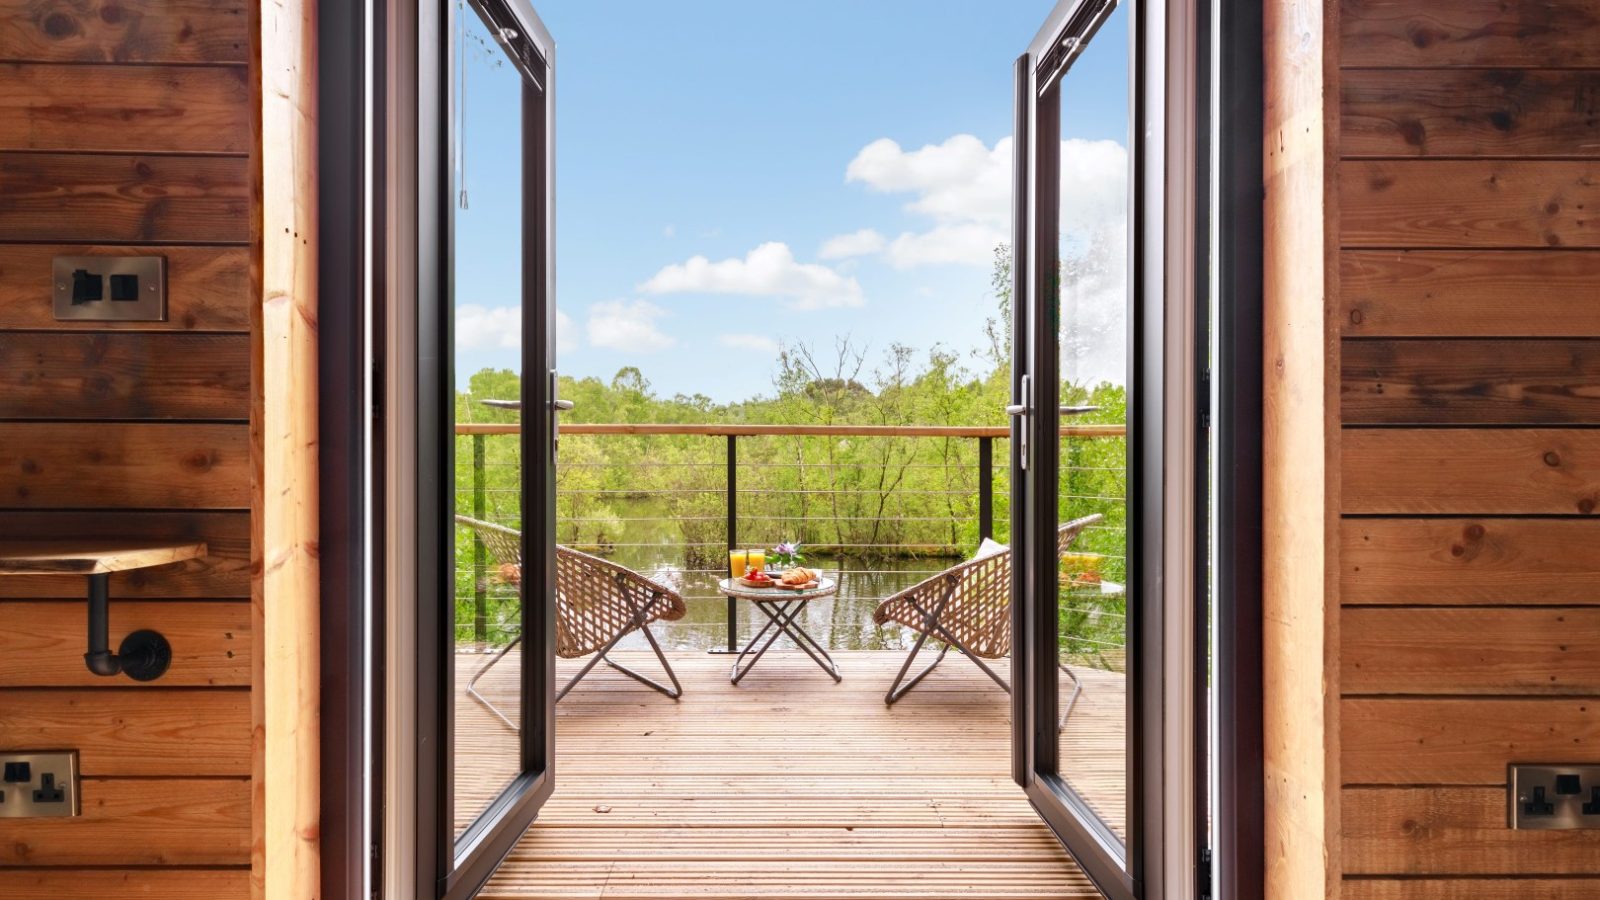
(864, 500)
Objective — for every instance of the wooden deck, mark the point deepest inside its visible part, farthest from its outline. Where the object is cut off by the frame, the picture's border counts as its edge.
(789, 785)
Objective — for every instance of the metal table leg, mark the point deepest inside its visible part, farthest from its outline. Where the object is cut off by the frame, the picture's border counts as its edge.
(784, 615)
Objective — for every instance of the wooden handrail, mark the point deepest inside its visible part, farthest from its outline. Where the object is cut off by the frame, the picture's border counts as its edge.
(737, 430)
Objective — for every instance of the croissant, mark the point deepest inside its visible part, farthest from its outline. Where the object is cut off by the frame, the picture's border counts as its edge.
(799, 576)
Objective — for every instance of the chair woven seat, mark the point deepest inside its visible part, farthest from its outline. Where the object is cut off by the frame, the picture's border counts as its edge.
(967, 606)
(596, 599)
(598, 603)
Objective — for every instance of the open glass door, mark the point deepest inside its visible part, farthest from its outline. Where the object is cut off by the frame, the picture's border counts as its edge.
(486, 552)
(1103, 466)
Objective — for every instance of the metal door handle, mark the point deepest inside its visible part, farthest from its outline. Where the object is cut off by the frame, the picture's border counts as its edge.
(557, 405)
(1022, 408)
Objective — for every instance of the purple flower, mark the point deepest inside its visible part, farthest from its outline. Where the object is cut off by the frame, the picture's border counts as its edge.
(786, 549)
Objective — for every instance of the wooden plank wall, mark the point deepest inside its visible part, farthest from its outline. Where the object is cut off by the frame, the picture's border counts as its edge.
(125, 128)
(1468, 554)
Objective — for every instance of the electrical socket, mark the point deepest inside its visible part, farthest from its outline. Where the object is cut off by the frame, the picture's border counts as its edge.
(1553, 797)
(36, 784)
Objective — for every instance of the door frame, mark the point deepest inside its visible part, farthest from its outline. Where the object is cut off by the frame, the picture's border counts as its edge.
(422, 859)
(1161, 857)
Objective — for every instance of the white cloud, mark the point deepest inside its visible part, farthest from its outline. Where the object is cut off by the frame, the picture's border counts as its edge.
(758, 342)
(960, 180)
(769, 270)
(624, 325)
(566, 333)
(488, 328)
(857, 243)
(970, 244)
(500, 328)
(964, 187)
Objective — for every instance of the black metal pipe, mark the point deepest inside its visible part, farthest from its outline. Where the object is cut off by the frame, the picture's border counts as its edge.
(100, 659)
(733, 536)
(985, 487)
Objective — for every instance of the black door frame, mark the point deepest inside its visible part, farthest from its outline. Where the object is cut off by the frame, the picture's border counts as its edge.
(1161, 855)
(352, 847)
(461, 865)
(445, 866)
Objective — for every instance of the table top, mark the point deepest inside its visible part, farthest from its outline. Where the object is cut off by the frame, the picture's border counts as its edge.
(91, 557)
(825, 587)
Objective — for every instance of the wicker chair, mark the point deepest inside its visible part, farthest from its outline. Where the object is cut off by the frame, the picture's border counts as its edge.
(598, 603)
(967, 607)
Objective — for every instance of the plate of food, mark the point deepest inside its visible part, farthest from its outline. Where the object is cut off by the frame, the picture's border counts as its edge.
(757, 579)
(798, 579)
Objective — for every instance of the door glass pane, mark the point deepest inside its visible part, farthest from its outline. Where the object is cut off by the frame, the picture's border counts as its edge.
(1094, 297)
(486, 281)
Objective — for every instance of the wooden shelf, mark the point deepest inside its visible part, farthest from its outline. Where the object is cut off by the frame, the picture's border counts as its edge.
(92, 557)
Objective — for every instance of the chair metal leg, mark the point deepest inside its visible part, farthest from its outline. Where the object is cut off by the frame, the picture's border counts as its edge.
(896, 690)
(1077, 689)
(641, 620)
(472, 686)
(674, 692)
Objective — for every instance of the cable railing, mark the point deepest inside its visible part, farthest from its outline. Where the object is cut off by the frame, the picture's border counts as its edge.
(880, 506)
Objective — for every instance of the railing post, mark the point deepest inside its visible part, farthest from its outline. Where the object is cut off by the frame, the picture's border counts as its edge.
(480, 561)
(733, 535)
(985, 487)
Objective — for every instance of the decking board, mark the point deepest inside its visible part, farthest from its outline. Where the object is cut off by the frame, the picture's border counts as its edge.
(788, 785)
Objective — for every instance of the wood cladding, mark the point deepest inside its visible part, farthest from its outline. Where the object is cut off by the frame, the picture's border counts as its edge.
(1469, 203)
(124, 31)
(1470, 112)
(1468, 293)
(108, 375)
(138, 109)
(1476, 382)
(126, 129)
(1490, 561)
(1527, 650)
(1454, 830)
(135, 731)
(42, 642)
(165, 884)
(114, 198)
(1453, 470)
(1462, 740)
(1443, 33)
(162, 822)
(142, 466)
(1469, 554)
(208, 288)
(1470, 889)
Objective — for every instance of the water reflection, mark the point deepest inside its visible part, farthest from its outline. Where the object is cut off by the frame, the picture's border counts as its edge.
(842, 622)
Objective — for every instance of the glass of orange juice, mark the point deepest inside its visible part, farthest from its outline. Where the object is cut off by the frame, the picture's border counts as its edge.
(737, 562)
(758, 560)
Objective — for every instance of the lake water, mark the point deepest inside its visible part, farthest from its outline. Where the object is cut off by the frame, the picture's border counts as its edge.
(650, 543)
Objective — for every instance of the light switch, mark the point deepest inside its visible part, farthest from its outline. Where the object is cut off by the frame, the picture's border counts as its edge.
(39, 784)
(110, 288)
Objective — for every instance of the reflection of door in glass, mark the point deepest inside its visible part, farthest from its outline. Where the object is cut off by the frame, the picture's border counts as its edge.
(494, 475)
(486, 272)
(1093, 306)
(1099, 473)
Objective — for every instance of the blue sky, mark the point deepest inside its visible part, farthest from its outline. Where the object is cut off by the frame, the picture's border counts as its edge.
(726, 181)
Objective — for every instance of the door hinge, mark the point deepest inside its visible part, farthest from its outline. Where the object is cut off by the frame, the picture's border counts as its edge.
(1205, 398)
(1202, 875)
